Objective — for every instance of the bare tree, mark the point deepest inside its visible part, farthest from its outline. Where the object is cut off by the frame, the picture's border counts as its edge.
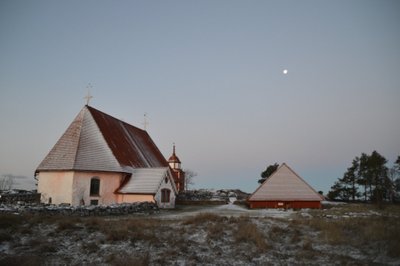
(6, 182)
(189, 176)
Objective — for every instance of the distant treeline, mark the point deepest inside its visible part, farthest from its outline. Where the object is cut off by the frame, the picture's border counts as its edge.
(368, 179)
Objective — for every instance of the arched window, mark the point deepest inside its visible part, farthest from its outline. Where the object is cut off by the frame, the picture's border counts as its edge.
(95, 186)
(165, 195)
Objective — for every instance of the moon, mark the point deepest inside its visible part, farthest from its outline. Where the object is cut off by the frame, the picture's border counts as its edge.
(285, 71)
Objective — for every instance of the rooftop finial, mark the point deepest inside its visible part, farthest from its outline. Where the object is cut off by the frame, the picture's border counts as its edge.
(145, 122)
(173, 148)
(88, 96)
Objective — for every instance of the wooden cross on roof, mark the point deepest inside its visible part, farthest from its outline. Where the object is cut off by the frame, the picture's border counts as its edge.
(88, 96)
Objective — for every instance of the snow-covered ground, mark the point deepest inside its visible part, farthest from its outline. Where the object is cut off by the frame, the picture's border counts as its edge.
(207, 235)
(228, 210)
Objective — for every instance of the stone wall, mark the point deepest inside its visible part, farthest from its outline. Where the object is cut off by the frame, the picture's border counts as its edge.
(16, 197)
(117, 209)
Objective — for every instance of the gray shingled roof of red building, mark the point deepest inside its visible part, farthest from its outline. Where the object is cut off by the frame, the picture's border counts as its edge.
(96, 141)
(285, 184)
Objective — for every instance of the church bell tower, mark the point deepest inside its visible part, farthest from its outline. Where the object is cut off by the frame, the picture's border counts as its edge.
(179, 174)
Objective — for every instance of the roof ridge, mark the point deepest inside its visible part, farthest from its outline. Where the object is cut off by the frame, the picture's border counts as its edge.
(97, 141)
(64, 152)
(136, 146)
(90, 108)
(303, 181)
(80, 133)
(261, 185)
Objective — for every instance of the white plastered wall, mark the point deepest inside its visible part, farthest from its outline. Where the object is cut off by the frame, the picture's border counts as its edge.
(131, 198)
(109, 182)
(157, 197)
(56, 186)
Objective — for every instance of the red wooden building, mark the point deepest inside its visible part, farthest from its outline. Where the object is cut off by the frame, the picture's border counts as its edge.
(285, 189)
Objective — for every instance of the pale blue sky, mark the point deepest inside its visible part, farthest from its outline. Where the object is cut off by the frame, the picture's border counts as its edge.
(209, 75)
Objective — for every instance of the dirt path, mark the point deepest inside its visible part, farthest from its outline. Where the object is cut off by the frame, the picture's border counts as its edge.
(224, 210)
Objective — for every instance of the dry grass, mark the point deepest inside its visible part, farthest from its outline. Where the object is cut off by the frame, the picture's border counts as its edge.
(10, 221)
(204, 218)
(216, 231)
(68, 224)
(128, 229)
(125, 259)
(22, 260)
(277, 233)
(204, 238)
(360, 232)
(248, 232)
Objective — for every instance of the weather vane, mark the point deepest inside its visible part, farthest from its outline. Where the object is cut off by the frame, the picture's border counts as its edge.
(88, 96)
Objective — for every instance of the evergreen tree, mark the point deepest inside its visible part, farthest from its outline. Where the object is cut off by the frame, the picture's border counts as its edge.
(363, 177)
(346, 188)
(369, 172)
(394, 177)
(350, 179)
(268, 172)
(378, 173)
(339, 192)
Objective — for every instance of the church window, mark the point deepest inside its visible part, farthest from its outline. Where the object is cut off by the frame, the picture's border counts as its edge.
(165, 195)
(166, 180)
(95, 186)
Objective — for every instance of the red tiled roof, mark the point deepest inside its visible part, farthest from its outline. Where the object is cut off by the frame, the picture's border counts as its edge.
(131, 146)
(100, 142)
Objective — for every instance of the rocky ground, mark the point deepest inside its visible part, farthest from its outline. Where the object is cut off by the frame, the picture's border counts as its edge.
(206, 235)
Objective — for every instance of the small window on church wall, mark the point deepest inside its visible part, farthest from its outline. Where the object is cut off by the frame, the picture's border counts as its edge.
(166, 180)
(165, 195)
(94, 186)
